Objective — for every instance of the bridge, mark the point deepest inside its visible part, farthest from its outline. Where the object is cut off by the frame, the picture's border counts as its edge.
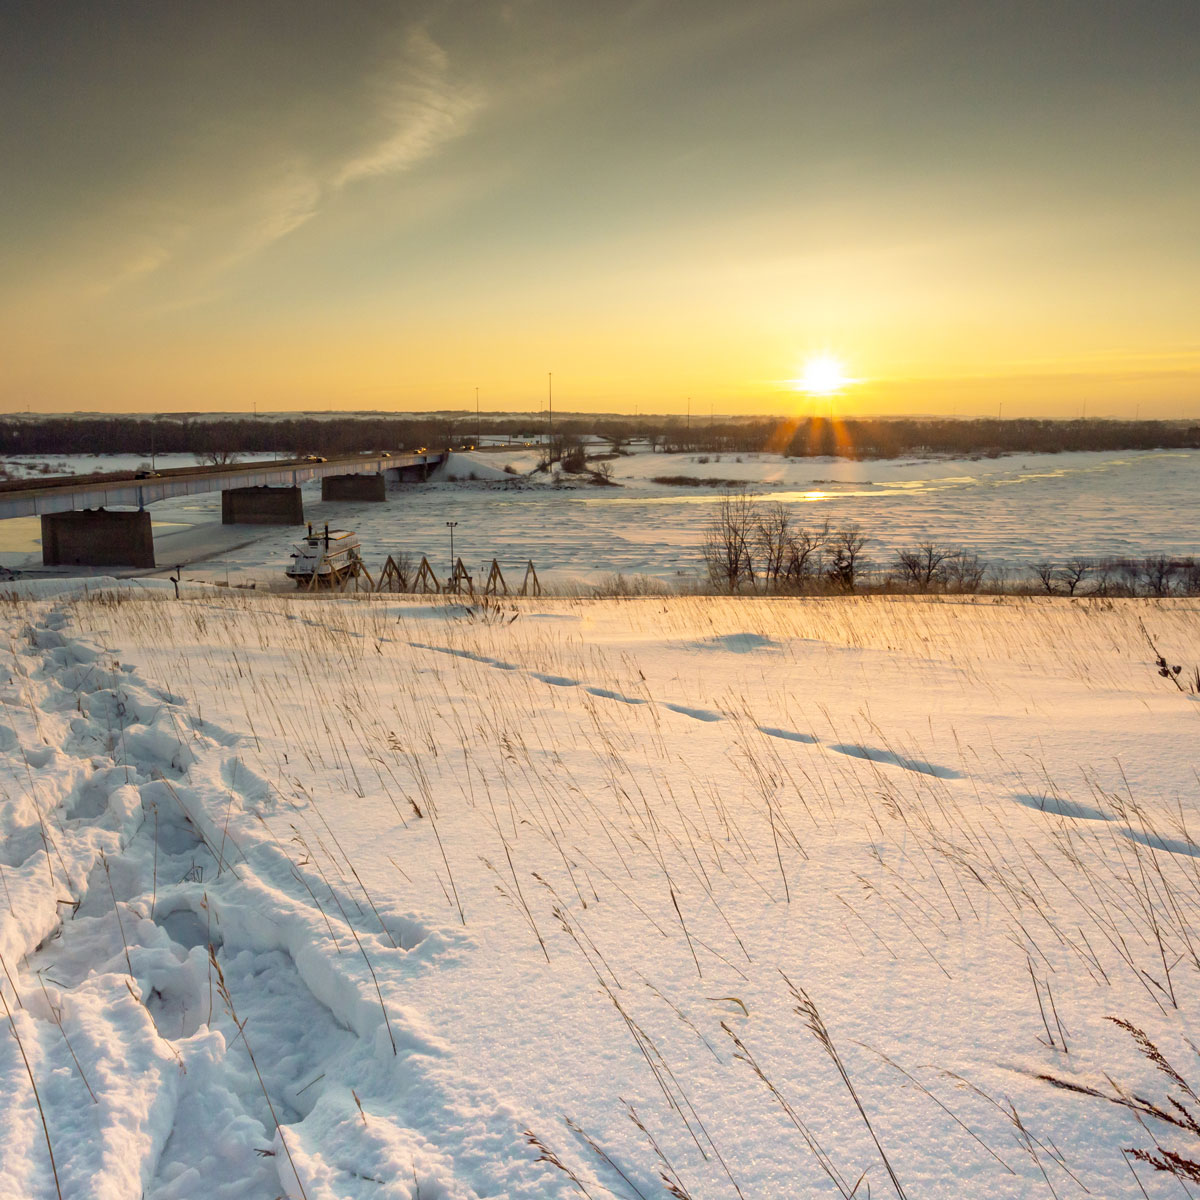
(80, 528)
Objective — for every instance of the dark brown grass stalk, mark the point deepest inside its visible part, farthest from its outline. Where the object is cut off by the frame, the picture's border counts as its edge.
(667, 1174)
(520, 898)
(1037, 991)
(1026, 1140)
(1127, 1156)
(320, 908)
(33, 1084)
(116, 909)
(806, 1009)
(56, 1017)
(546, 1155)
(602, 1155)
(742, 1054)
(223, 988)
(688, 936)
(154, 886)
(366, 958)
(12, 983)
(957, 1120)
(217, 854)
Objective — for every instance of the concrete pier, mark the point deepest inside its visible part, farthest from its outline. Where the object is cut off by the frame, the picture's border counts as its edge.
(353, 487)
(412, 473)
(95, 537)
(262, 506)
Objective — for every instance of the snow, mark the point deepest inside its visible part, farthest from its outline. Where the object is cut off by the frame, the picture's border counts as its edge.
(1013, 511)
(504, 897)
(33, 466)
(386, 896)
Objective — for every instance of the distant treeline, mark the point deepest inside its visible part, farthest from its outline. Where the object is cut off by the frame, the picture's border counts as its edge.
(881, 438)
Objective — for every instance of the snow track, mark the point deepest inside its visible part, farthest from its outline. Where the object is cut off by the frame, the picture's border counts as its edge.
(207, 1007)
(403, 901)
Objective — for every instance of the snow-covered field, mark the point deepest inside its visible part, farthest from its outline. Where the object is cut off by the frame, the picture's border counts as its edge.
(692, 897)
(1012, 511)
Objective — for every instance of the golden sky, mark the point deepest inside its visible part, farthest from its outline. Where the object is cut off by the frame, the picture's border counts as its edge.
(977, 207)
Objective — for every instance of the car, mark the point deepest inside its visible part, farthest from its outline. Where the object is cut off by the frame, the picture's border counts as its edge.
(314, 458)
(147, 475)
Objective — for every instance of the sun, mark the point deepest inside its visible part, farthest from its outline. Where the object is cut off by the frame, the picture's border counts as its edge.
(823, 375)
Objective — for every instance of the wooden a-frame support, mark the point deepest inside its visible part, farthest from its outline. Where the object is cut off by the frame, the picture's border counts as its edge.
(531, 574)
(391, 579)
(495, 581)
(460, 577)
(426, 580)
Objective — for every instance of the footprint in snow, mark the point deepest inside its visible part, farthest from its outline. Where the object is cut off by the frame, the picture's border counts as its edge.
(1060, 807)
(609, 694)
(1157, 842)
(740, 643)
(697, 714)
(788, 735)
(556, 680)
(890, 758)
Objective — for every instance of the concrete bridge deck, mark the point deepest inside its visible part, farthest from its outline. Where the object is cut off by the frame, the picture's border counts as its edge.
(32, 498)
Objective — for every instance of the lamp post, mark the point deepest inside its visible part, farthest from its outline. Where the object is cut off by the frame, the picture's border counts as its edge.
(450, 526)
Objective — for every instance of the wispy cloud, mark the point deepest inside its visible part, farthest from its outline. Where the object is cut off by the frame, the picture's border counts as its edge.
(271, 214)
(404, 113)
(420, 108)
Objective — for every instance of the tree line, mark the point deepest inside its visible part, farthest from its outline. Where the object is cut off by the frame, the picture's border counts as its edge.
(810, 437)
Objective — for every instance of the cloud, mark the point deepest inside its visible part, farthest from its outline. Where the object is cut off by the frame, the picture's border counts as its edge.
(420, 109)
(180, 239)
(271, 214)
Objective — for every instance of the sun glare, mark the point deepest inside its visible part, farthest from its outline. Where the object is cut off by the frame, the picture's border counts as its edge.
(823, 376)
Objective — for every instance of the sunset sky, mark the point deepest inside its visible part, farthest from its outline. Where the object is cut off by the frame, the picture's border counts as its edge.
(973, 207)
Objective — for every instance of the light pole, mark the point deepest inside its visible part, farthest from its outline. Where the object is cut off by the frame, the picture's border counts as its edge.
(550, 395)
(478, 440)
(450, 526)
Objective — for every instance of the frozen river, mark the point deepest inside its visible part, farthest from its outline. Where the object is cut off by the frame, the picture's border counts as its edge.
(1012, 511)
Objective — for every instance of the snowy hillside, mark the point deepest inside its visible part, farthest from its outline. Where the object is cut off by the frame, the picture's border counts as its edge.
(700, 898)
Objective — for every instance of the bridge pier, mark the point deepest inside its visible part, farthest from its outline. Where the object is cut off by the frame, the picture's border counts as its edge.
(95, 537)
(353, 487)
(262, 506)
(417, 473)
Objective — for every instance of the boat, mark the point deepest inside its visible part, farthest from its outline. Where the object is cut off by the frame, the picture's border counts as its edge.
(326, 559)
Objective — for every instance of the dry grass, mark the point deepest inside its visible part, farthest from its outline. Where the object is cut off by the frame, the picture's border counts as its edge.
(528, 759)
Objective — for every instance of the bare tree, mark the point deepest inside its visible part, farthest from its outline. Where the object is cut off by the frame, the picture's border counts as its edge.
(965, 571)
(1160, 574)
(773, 531)
(924, 566)
(729, 540)
(1047, 573)
(1131, 572)
(1190, 584)
(1105, 571)
(805, 553)
(1075, 572)
(846, 557)
(216, 458)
